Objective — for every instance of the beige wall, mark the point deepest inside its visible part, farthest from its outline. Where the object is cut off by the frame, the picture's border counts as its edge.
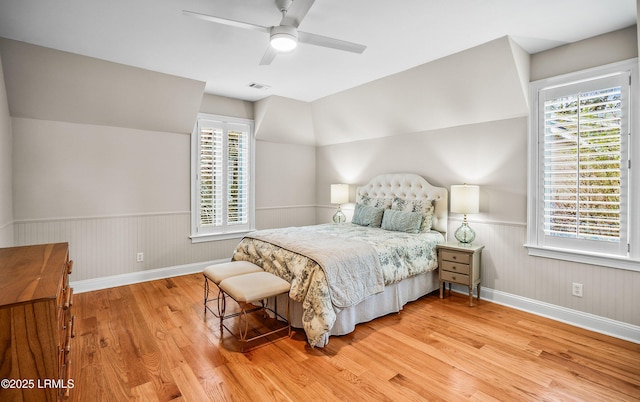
(224, 106)
(285, 175)
(611, 47)
(285, 185)
(6, 168)
(488, 154)
(86, 170)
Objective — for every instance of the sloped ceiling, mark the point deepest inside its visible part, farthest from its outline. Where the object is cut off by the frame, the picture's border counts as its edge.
(285, 120)
(481, 84)
(49, 84)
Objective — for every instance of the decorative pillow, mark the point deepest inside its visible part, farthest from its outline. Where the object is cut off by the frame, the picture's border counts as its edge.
(365, 215)
(384, 203)
(401, 221)
(425, 207)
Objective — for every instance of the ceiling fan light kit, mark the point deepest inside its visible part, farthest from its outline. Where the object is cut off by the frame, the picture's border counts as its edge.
(284, 38)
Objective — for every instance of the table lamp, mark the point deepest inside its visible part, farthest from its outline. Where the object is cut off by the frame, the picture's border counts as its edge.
(465, 199)
(339, 195)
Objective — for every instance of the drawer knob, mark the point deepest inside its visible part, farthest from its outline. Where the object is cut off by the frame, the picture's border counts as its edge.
(453, 277)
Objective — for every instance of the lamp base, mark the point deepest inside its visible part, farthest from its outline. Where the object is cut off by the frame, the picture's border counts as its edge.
(339, 216)
(464, 234)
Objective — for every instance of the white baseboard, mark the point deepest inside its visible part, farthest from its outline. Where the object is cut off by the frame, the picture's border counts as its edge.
(576, 318)
(106, 282)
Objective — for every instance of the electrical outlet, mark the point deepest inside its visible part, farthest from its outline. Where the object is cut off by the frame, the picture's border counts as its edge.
(140, 257)
(576, 289)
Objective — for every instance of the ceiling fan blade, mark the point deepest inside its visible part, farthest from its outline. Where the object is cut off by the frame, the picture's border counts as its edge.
(268, 57)
(325, 41)
(296, 12)
(225, 21)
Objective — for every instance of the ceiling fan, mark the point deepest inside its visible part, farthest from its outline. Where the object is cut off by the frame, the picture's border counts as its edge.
(286, 36)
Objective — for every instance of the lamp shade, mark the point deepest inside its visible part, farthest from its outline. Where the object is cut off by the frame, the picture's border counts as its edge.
(465, 199)
(339, 193)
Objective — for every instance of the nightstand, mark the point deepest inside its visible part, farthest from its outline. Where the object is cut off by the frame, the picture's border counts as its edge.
(459, 264)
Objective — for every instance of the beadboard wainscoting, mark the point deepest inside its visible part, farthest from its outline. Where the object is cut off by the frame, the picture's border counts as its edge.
(543, 286)
(104, 249)
(107, 246)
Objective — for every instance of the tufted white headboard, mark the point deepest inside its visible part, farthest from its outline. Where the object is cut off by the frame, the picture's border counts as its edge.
(408, 186)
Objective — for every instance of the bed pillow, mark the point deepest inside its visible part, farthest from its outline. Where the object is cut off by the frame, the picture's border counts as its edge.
(401, 221)
(384, 203)
(365, 215)
(425, 207)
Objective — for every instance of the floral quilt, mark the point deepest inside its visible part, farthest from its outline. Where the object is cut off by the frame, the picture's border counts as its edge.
(401, 255)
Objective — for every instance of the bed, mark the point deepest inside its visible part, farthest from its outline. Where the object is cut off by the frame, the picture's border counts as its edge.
(349, 273)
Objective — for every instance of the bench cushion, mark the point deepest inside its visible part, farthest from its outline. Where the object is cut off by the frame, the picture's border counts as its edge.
(254, 286)
(219, 272)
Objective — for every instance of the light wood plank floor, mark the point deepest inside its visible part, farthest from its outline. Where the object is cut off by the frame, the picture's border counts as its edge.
(150, 342)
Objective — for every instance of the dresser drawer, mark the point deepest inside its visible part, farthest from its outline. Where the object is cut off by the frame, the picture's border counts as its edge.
(455, 267)
(454, 277)
(462, 258)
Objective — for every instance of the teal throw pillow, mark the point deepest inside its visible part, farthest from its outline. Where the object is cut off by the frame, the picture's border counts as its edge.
(402, 221)
(365, 215)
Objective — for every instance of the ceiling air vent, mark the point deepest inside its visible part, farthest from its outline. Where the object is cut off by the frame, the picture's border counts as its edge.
(262, 87)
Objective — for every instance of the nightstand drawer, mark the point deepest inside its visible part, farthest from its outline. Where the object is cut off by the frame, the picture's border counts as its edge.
(454, 277)
(462, 258)
(455, 267)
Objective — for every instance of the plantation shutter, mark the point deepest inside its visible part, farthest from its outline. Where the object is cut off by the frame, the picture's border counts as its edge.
(222, 177)
(238, 177)
(585, 171)
(210, 176)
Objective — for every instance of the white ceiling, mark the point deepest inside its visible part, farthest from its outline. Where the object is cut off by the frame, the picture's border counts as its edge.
(400, 34)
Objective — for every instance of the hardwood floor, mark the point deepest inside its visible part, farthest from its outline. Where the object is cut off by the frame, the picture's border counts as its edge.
(149, 341)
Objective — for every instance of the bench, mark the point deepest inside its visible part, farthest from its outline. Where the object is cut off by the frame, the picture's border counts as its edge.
(248, 285)
(219, 272)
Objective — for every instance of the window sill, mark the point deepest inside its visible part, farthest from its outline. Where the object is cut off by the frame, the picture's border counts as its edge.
(218, 236)
(584, 258)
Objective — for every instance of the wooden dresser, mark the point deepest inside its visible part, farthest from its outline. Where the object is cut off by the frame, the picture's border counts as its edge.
(36, 324)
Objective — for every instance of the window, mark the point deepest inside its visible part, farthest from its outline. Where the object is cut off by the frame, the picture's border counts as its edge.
(222, 178)
(581, 190)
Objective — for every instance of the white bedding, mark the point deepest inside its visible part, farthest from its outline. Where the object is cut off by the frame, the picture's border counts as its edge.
(400, 255)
